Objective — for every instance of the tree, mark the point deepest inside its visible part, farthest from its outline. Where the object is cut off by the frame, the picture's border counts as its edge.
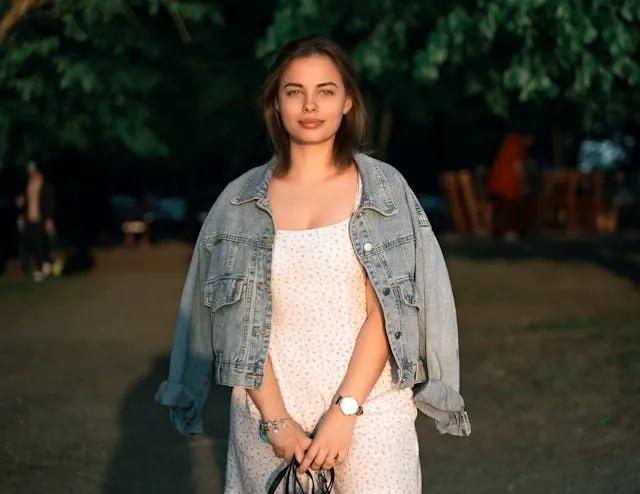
(570, 57)
(92, 73)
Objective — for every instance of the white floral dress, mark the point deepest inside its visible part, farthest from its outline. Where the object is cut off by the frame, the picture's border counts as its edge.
(319, 306)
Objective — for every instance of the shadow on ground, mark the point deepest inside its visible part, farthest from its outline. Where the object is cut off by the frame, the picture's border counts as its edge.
(150, 456)
(619, 255)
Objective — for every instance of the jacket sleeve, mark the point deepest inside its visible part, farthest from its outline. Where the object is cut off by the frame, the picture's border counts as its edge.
(439, 397)
(186, 389)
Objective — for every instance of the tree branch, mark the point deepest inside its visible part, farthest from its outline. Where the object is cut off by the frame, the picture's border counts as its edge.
(18, 10)
(179, 22)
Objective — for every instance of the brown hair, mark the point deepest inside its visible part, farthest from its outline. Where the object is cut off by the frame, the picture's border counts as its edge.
(350, 135)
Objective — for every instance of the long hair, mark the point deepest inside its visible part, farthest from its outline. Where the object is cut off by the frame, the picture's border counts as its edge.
(350, 134)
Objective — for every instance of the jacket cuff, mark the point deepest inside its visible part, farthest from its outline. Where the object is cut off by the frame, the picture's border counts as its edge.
(444, 405)
(184, 410)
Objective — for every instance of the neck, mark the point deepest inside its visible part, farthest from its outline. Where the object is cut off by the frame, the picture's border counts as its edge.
(312, 162)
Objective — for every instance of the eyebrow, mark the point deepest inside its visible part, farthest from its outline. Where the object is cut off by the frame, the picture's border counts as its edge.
(322, 84)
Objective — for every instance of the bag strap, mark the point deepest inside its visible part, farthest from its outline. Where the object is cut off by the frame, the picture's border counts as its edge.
(292, 482)
(293, 485)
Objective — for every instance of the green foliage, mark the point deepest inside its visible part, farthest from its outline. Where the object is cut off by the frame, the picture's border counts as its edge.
(571, 52)
(171, 77)
(77, 74)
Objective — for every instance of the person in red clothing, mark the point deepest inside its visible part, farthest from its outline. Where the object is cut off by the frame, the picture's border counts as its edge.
(506, 181)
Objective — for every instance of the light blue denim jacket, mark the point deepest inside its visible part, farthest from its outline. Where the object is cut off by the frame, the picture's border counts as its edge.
(224, 318)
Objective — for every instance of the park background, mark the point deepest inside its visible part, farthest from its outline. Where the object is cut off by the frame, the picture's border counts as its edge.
(149, 106)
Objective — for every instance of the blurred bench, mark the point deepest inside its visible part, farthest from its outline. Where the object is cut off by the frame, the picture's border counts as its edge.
(140, 229)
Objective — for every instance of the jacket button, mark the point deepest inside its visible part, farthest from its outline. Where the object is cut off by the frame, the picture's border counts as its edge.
(398, 335)
(368, 247)
(386, 291)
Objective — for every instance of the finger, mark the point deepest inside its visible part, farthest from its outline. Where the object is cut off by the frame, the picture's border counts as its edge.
(330, 461)
(299, 454)
(309, 456)
(340, 457)
(319, 460)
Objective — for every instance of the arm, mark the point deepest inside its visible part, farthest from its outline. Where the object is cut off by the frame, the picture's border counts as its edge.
(47, 202)
(370, 355)
(47, 207)
(439, 397)
(268, 398)
(291, 441)
(186, 389)
(20, 205)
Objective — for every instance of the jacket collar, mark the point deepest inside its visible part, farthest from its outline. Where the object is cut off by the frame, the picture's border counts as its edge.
(376, 192)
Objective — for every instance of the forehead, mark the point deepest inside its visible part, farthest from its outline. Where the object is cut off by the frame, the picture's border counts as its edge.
(312, 70)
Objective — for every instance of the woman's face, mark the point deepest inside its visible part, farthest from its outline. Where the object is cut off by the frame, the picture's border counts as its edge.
(312, 100)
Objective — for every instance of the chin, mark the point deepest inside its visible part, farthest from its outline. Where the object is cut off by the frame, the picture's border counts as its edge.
(309, 139)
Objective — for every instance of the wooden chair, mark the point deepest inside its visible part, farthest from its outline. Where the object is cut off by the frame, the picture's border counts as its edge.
(452, 194)
(470, 210)
(558, 200)
(598, 213)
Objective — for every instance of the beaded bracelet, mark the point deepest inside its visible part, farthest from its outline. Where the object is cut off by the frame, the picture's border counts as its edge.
(273, 425)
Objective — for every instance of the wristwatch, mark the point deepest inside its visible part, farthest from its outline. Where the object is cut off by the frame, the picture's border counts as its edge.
(349, 406)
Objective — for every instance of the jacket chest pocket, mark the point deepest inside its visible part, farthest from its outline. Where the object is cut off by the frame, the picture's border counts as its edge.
(407, 293)
(224, 296)
(223, 290)
(409, 310)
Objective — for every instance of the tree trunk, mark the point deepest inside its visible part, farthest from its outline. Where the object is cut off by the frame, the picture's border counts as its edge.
(371, 117)
(18, 9)
(384, 133)
(379, 126)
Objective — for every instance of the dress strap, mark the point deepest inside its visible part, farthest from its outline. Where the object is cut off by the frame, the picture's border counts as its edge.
(358, 193)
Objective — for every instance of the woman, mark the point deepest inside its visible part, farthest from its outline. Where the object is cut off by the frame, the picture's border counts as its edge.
(318, 289)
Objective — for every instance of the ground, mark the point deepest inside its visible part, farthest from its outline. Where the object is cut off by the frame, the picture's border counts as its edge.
(550, 350)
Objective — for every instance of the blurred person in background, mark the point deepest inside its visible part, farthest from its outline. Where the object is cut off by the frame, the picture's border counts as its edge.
(507, 182)
(36, 223)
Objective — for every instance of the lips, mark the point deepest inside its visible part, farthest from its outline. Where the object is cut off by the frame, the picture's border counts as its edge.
(311, 123)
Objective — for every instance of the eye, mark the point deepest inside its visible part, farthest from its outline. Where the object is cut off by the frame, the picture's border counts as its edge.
(293, 92)
(327, 92)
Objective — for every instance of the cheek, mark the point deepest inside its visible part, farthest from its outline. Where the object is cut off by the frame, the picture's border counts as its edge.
(289, 110)
(288, 117)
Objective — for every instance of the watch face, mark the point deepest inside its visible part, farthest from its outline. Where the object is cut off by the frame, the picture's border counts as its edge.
(348, 405)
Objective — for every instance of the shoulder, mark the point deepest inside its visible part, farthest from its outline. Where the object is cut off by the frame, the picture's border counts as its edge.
(240, 189)
(244, 183)
(379, 173)
(378, 169)
(393, 188)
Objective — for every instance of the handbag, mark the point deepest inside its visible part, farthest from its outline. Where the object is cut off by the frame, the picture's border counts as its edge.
(293, 485)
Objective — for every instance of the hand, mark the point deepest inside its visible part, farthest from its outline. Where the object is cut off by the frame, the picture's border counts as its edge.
(49, 226)
(289, 442)
(331, 441)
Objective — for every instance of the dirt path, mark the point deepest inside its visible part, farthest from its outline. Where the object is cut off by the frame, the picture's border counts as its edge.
(551, 373)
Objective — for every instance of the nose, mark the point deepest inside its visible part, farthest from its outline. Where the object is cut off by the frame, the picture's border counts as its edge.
(309, 105)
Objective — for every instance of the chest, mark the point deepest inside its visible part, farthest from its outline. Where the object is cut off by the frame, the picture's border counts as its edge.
(310, 206)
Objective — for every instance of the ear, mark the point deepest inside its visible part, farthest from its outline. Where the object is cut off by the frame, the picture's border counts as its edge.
(348, 104)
